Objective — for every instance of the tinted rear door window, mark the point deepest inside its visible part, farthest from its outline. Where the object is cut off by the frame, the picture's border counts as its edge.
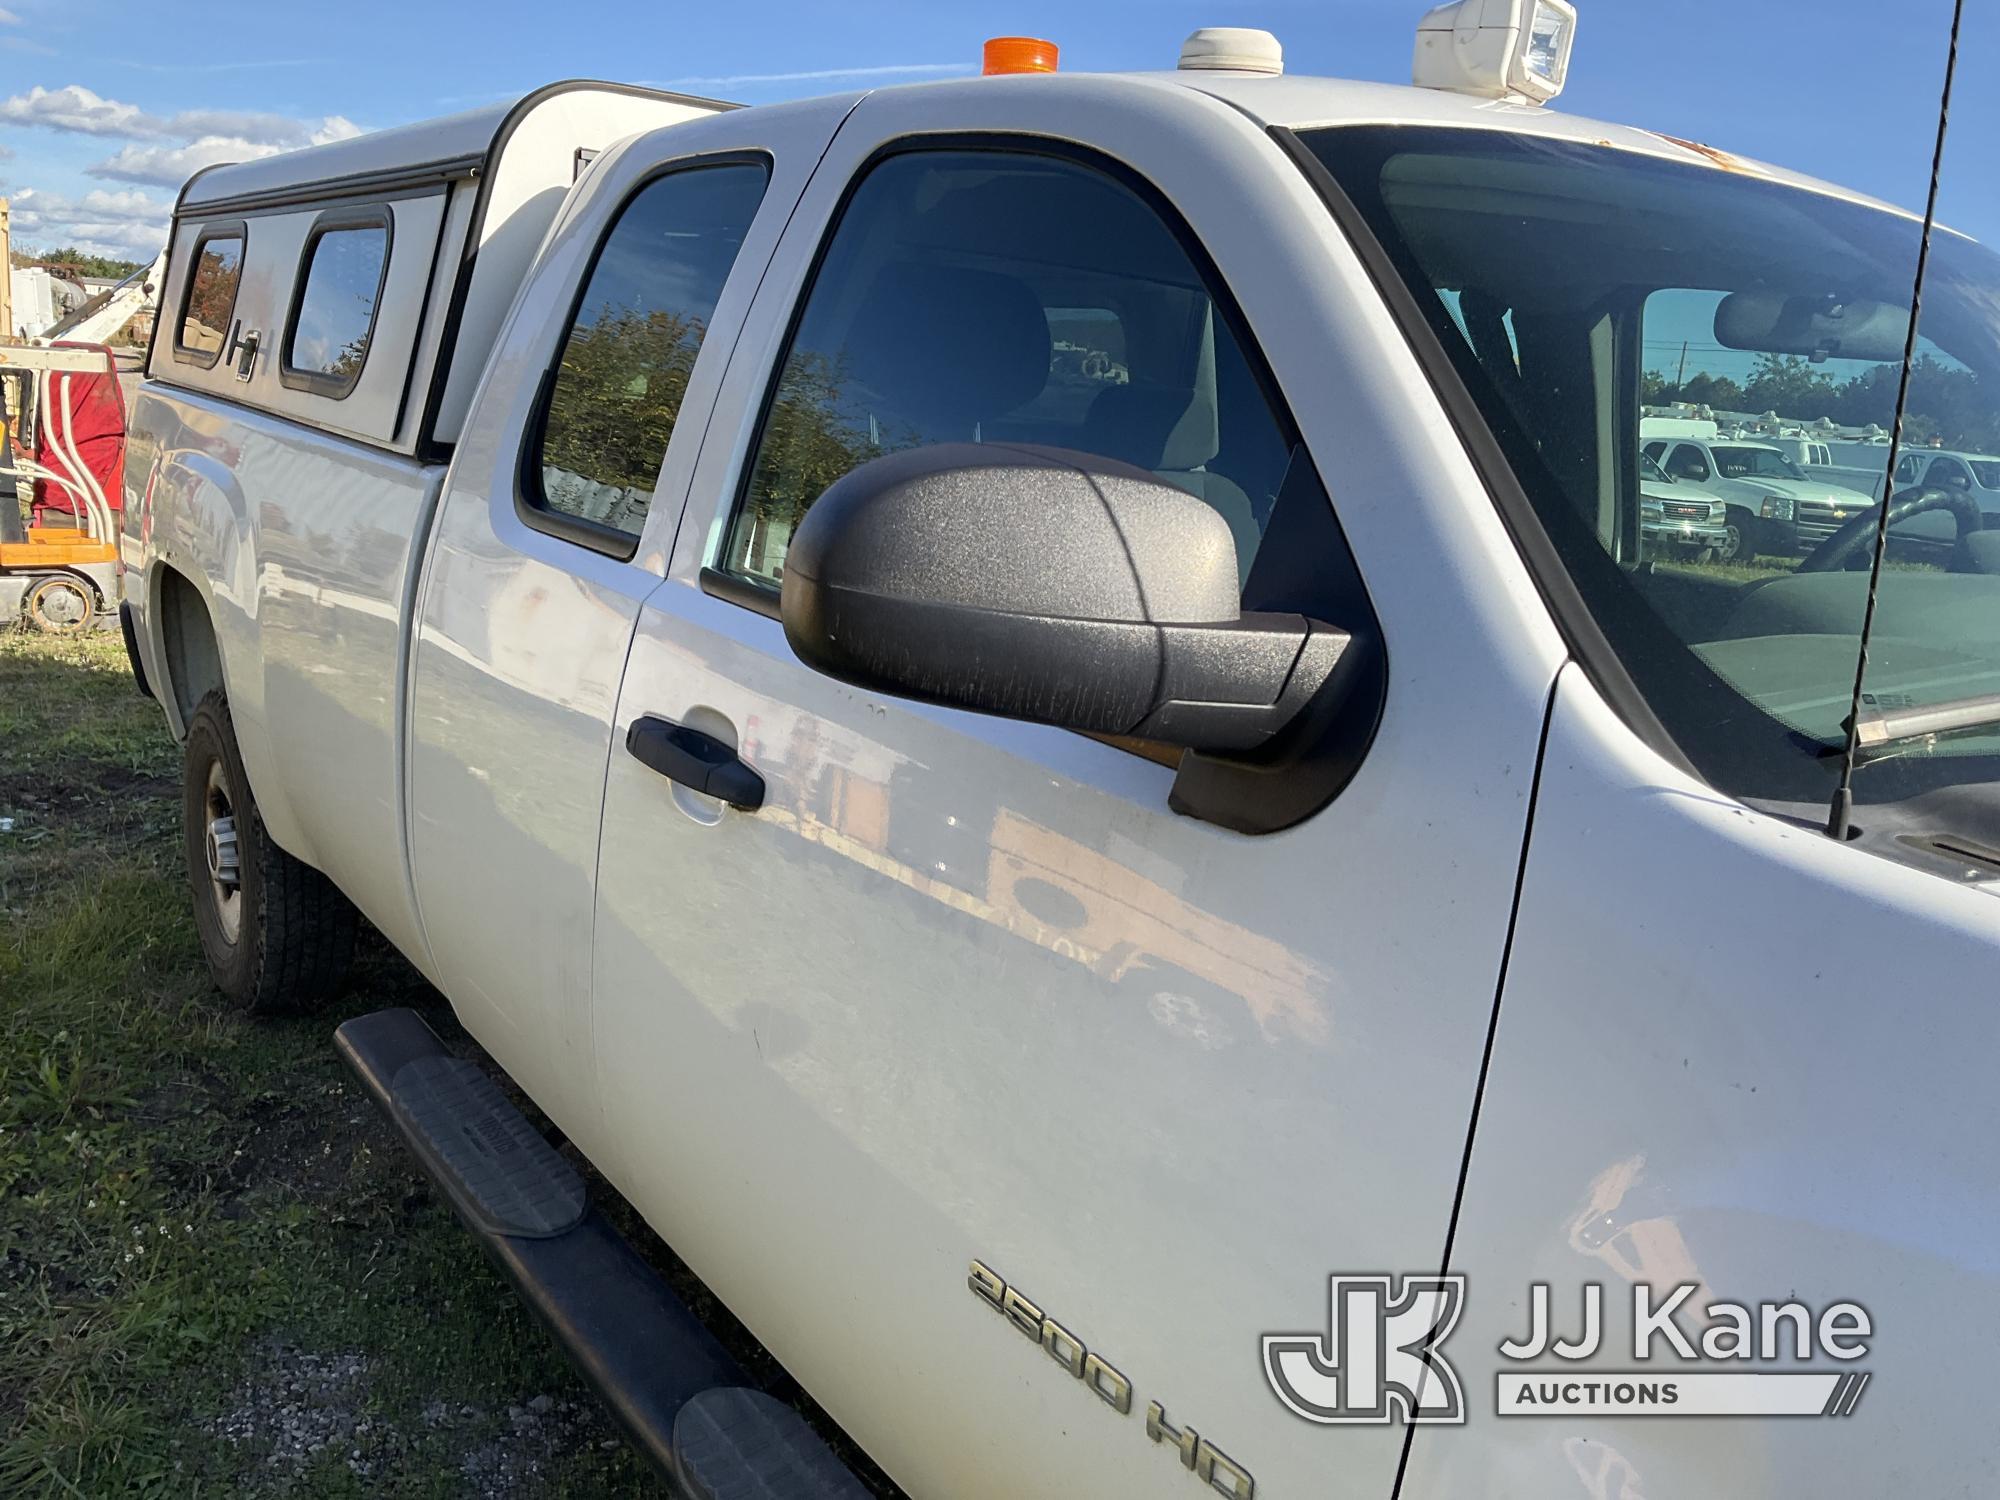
(632, 345)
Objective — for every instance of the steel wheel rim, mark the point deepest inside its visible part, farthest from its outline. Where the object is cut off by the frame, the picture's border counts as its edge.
(223, 852)
(61, 604)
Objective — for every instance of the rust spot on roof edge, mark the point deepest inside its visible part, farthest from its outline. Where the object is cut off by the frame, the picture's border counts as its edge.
(1713, 154)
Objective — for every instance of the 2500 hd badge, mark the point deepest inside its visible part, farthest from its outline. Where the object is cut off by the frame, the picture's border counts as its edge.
(1207, 1462)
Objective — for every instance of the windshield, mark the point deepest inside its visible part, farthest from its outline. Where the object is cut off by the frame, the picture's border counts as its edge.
(1581, 291)
(1651, 472)
(1754, 463)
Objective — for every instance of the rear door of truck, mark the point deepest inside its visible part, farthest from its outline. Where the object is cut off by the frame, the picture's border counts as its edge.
(560, 507)
(964, 989)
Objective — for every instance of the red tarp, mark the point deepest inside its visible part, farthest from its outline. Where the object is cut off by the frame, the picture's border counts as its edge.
(85, 416)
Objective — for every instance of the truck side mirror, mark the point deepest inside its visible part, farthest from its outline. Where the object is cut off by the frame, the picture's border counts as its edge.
(1042, 584)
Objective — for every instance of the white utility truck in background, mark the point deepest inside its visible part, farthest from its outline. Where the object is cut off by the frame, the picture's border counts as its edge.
(1772, 504)
(1034, 711)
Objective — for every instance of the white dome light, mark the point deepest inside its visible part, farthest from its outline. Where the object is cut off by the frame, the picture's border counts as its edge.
(1235, 49)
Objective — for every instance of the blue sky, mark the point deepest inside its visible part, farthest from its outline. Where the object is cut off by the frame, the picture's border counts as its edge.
(1840, 88)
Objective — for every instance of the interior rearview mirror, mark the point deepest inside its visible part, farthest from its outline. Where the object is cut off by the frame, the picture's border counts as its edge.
(1046, 585)
(1815, 327)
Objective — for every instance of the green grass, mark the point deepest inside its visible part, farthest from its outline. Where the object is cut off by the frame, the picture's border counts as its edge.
(195, 1208)
(1733, 572)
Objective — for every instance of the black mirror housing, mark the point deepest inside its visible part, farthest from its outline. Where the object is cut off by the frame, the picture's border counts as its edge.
(1814, 327)
(1047, 585)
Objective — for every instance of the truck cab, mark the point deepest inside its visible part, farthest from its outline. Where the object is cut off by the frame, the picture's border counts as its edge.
(1807, 453)
(1032, 709)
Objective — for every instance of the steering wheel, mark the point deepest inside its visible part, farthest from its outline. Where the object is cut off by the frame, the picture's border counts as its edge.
(1857, 536)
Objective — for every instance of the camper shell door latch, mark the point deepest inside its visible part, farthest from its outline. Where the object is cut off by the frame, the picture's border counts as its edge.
(243, 346)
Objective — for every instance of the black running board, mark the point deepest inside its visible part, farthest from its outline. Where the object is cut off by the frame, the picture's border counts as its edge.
(685, 1403)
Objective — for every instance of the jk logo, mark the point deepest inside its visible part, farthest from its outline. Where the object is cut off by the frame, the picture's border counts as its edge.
(1379, 1355)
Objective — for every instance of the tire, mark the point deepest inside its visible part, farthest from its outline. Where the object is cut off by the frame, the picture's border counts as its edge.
(1744, 538)
(279, 935)
(61, 604)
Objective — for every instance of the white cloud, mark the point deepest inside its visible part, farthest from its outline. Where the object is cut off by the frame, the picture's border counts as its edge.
(6, 151)
(80, 111)
(130, 207)
(121, 223)
(76, 109)
(187, 141)
(280, 131)
(8, 18)
(170, 166)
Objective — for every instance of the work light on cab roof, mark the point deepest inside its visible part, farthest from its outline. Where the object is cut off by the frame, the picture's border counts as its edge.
(1018, 54)
(1502, 49)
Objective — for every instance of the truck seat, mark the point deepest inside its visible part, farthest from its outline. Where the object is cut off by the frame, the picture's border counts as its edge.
(1172, 431)
(993, 323)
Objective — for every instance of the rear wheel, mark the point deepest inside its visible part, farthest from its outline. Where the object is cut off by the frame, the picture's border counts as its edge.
(277, 934)
(60, 604)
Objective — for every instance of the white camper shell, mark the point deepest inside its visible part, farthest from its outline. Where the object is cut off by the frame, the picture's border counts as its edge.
(447, 214)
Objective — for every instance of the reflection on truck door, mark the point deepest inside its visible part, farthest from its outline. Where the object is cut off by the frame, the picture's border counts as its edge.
(975, 972)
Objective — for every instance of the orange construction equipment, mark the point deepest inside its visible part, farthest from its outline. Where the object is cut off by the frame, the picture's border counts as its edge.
(63, 576)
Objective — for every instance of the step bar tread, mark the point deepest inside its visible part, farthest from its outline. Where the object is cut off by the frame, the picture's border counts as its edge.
(687, 1405)
(738, 1444)
(511, 1179)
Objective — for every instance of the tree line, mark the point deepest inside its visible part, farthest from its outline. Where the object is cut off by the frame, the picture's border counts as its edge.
(1946, 402)
(624, 374)
(76, 261)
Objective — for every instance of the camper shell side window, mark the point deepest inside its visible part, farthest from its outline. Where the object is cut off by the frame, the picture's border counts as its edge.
(337, 300)
(382, 267)
(208, 302)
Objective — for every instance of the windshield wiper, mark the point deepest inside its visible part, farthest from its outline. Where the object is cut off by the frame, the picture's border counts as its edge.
(1877, 730)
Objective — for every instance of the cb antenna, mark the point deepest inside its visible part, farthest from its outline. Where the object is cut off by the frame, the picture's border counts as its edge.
(1841, 813)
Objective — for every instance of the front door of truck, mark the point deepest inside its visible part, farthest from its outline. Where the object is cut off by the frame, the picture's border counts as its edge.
(554, 527)
(965, 989)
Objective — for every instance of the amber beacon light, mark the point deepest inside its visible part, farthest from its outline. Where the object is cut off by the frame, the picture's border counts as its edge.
(1019, 54)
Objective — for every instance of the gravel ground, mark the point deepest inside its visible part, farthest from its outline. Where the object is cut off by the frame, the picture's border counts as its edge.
(296, 1408)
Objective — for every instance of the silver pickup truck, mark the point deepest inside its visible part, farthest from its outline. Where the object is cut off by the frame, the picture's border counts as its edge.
(1681, 520)
(1030, 709)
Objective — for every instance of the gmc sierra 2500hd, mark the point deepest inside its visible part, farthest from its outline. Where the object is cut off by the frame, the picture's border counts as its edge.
(1031, 709)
